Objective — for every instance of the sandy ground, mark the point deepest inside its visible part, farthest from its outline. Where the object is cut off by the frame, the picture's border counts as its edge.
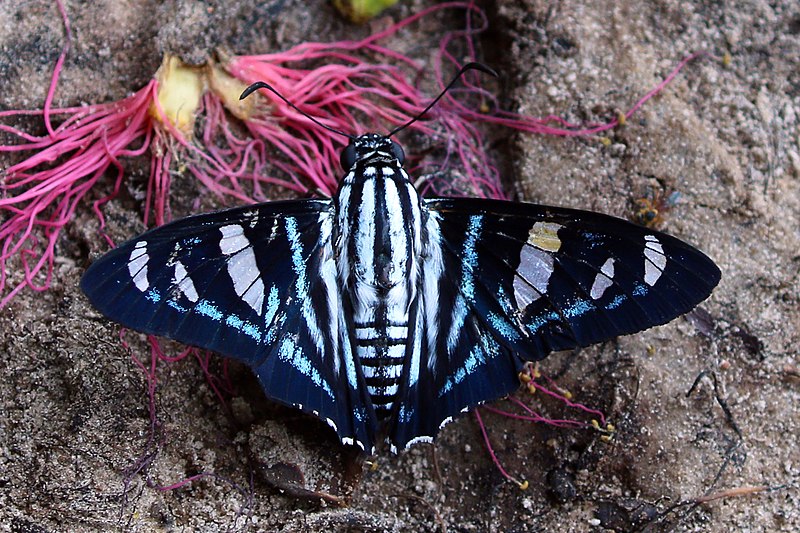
(73, 408)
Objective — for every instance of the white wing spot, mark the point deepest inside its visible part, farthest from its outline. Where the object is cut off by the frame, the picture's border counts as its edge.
(184, 283)
(533, 274)
(233, 239)
(603, 279)
(137, 265)
(655, 261)
(242, 266)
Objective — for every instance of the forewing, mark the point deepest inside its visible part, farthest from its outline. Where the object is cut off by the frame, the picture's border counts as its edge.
(518, 281)
(254, 283)
(569, 278)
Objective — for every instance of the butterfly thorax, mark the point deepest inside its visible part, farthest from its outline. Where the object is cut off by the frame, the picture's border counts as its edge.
(378, 249)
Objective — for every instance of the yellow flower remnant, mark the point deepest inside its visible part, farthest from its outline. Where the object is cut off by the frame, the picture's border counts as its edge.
(180, 88)
(228, 89)
(360, 11)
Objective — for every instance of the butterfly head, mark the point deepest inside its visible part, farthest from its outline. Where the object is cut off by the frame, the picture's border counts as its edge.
(371, 147)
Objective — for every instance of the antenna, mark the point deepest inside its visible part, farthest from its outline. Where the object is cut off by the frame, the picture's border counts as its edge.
(469, 66)
(264, 85)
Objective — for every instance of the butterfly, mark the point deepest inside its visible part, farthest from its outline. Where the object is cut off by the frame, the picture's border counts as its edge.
(386, 314)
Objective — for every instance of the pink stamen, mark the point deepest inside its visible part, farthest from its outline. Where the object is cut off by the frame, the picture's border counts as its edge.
(490, 449)
(51, 91)
(529, 415)
(76, 157)
(567, 401)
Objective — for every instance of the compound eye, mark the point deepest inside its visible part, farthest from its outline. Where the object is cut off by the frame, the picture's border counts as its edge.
(348, 157)
(397, 151)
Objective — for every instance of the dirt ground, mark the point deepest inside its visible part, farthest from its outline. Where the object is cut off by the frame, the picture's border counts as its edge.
(74, 420)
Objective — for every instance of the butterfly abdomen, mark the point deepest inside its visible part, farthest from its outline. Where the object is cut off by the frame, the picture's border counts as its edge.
(378, 250)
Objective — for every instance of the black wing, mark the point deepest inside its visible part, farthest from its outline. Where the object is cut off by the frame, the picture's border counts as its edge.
(511, 282)
(254, 283)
